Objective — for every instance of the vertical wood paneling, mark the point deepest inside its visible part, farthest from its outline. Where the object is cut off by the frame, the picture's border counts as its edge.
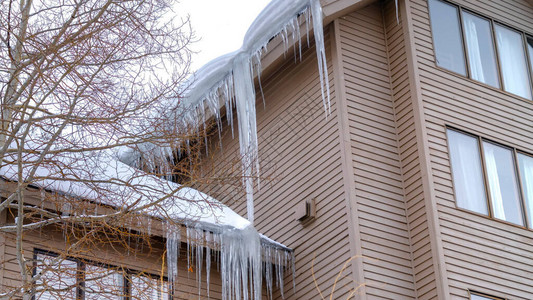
(480, 254)
(376, 164)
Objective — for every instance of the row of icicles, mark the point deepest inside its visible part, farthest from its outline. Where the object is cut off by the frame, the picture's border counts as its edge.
(229, 81)
(241, 257)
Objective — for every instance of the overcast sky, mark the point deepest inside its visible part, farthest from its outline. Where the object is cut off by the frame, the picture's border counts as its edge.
(219, 24)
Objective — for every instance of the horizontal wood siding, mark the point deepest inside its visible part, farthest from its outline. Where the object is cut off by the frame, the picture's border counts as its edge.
(384, 232)
(480, 254)
(139, 258)
(423, 267)
(300, 160)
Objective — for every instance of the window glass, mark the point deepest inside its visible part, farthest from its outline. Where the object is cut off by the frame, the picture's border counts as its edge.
(525, 163)
(501, 177)
(149, 288)
(58, 278)
(467, 172)
(513, 61)
(447, 37)
(102, 283)
(480, 49)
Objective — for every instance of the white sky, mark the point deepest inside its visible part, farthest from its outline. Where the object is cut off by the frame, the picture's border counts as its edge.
(219, 24)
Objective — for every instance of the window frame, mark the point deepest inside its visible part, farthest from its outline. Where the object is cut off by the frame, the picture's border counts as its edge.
(520, 189)
(484, 295)
(127, 274)
(492, 23)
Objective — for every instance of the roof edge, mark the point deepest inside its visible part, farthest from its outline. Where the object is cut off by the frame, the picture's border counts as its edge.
(332, 9)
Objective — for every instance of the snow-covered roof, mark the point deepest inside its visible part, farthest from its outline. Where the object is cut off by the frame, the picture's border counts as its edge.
(98, 177)
(103, 179)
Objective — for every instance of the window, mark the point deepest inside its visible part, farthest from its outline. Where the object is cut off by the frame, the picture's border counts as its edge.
(447, 36)
(467, 172)
(513, 61)
(59, 279)
(78, 280)
(480, 50)
(491, 179)
(495, 54)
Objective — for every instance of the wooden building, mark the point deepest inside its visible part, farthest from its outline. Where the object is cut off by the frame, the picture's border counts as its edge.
(416, 89)
(419, 183)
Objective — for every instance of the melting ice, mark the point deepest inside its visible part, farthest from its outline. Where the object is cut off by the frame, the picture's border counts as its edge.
(229, 79)
(244, 258)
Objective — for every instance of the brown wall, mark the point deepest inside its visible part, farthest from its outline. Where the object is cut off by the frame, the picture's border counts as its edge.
(377, 169)
(300, 160)
(479, 253)
(141, 257)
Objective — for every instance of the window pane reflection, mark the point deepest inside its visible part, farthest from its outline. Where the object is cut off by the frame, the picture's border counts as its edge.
(525, 164)
(447, 36)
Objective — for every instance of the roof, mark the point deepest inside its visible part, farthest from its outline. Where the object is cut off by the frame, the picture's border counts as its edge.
(98, 177)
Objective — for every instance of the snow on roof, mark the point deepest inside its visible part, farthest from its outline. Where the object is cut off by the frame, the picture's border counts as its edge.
(97, 176)
(101, 178)
(278, 17)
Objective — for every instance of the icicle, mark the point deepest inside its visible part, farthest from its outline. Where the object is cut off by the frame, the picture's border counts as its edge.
(279, 273)
(199, 238)
(66, 209)
(318, 29)
(173, 237)
(245, 103)
(188, 146)
(43, 200)
(189, 232)
(267, 271)
(242, 256)
(241, 264)
(207, 259)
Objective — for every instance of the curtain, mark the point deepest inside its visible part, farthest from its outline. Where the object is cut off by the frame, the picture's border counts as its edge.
(474, 53)
(103, 283)
(513, 63)
(494, 183)
(467, 175)
(526, 170)
(58, 278)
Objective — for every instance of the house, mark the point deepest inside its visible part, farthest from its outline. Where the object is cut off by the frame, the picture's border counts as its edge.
(124, 233)
(415, 184)
(422, 170)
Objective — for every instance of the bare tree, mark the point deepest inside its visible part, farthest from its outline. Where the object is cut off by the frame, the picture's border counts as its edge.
(80, 79)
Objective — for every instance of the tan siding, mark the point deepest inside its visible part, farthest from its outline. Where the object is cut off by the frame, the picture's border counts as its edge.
(378, 174)
(422, 259)
(146, 259)
(480, 253)
(300, 160)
